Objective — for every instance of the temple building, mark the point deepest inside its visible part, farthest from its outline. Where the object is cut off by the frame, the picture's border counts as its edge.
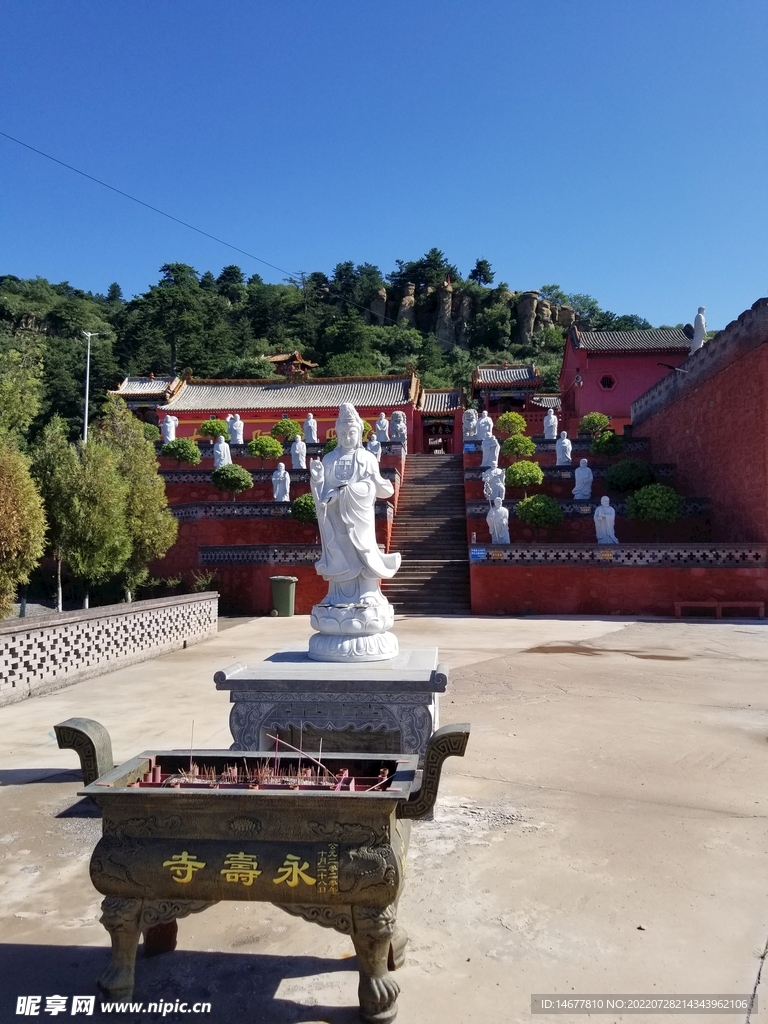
(291, 364)
(143, 395)
(605, 371)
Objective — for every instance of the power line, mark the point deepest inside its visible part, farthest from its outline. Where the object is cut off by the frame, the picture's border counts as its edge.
(293, 276)
(141, 202)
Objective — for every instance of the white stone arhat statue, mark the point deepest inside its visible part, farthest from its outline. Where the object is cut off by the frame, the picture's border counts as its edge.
(381, 426)
(491, 449)
(494, 484)
(605, 518)
(298, 453)
(310, 429)
(354, 620)
(236, 427)
(281, 483)
(498, 522)
(374, 446)
(583, 477)
(168, 427)
(469, 425)
(563, 449)
(222, 456)
(484, 426)
(550, 426)
(699, 330)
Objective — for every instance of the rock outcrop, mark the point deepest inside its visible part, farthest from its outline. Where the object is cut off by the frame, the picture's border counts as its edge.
(406, 314)
(378, 307)
(444, 331)
(526, 316)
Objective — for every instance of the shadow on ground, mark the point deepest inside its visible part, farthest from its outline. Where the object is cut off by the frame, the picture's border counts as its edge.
(241, 988)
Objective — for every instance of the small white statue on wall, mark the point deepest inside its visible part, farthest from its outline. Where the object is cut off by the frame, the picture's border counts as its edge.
(583, 477)
(699, 330)
(550, 426)
(382, 427)
(491, 449)
(374, 446)
(484, 426)
(498, 522)
(236, 427)
(168, 427)
(310, 429)
(222, 456)
(605, 518)
(298, 453)
(281, 483)
(563, 449)
(494, 485)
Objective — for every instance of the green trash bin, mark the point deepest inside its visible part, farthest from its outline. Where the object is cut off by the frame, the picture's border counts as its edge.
(283, 593)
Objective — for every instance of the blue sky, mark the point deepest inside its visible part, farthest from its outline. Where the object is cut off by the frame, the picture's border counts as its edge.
(616, 147)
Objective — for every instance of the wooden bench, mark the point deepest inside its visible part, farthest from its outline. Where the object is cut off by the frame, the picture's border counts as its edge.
(758, 606)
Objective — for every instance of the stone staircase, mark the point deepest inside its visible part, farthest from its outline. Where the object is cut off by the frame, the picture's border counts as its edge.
(430, 532)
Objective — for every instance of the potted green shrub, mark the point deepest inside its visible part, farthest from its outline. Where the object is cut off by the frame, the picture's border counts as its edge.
(594, 423)
(303, 511)
(286, 430)
(214, 429)
(150, 432)
(232, 478)
(657, 503)
(265, 447)
(629, 475)
(183, 449)
(519, 446)
(524, 474)
(607, 443)
(511, 423)
(539, 511)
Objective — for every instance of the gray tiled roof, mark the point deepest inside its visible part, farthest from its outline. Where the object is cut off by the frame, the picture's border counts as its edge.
(385, 392)
(659, 339)
(145, 387)
(547, 401)
(518, 375)
(440, 401)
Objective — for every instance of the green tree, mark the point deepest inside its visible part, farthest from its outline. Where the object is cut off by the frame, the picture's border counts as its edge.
(594, 423)
(22, 525)
(482, 273)
(607, 443)
(21, 383)
(286, 430)
(151, 526)
(98, 543)
(265, 447)
(54, 466)
(214, 428)
(656, 502)
(524, 474)
(511, 423)
(554, 294)
(182, 449)
(232, 479)
(303, 510)
(151, 432)
(519, 446)
(539, 511)
(629, 475)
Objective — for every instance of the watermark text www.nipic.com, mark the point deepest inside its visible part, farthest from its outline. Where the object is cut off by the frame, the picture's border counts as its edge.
(36, 1006)
(645, 1003)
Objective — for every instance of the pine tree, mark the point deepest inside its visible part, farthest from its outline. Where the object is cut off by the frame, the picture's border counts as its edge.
(22, 525)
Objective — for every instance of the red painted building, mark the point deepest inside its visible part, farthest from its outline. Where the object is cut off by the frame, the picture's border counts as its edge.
(605, 371)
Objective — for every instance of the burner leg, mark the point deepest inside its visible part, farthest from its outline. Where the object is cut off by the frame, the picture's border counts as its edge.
(121, 918)
(374, 929)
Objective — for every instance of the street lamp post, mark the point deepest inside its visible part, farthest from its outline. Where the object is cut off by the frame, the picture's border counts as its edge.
(88, 335)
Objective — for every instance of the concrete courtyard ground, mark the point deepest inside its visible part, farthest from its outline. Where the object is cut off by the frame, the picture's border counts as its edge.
(607, 831)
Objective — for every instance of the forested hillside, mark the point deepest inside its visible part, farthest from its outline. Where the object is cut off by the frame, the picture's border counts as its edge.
(423, 315)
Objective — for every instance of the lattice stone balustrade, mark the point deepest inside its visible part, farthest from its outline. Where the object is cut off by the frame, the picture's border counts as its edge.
(662, 556)
(576, 509)
(252, 510)
(663, 470)
(259, 554)
(314, 451)
(41, 654)
(578, 444)
(260, 476)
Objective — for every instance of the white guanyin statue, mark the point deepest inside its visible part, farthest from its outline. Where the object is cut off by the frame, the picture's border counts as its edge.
(563, 449)
(222, 456)
(298, 453)
(469, 425)
(381, 426)
(310, 429)
(491, 449)
(484, 426)
(550, 426)
(168, 427)
(498, 522)
(236, 427)
(605, 517)
(583, 477)
(354, 620)
(281, 483)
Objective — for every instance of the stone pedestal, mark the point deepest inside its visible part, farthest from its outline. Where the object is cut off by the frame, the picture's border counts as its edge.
(389, 706)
